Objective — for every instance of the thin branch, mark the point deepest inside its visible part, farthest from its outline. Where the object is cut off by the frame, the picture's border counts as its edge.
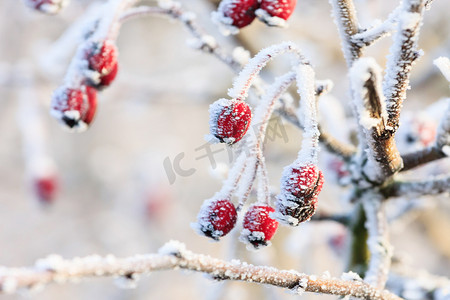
(174, 256)
(345, 18)
(378, 241)
(435, 185)
(206, 42)
(343, 219)
(375, 33)
(439, 150)
(403, 53)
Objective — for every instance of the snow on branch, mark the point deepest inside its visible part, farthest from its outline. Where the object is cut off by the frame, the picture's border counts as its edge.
(403, 53)
(173, 256)
(345, 18)
(383, 157)
(378, 241)
(440, 148)
(435, 185)
(377, 31)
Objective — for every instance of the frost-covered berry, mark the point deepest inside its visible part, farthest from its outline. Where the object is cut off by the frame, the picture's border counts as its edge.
(300, 187)
(75, 107)
(45, 188)
(216, 218)
(102, 62)
(275, 12)
(234, 14)
(229, 120)
(258, 227)
(47, 6)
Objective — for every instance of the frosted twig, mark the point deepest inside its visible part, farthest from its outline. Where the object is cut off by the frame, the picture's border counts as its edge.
(172, 256)
(375, 33)
(383, 156)
(250, 72)
(343, 219)
(378, 241)
(403, 53)
(206, 42)
(435, 185)
(440, 148)
(345, 18)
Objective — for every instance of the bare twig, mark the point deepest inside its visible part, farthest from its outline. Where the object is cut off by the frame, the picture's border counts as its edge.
(174, 256)
(377, 242)
(436, 185)
(404, 52)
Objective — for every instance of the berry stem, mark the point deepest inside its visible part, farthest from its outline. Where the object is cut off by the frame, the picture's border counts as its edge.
(250, 72)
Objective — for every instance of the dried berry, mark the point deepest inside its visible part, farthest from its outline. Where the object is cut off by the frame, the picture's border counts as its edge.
(216, 218)
(282, 9)
(47, 6)
(75, 107)
(236, 13)
(229, 120)
(102, 60)
(45, 188)
(300, 187)
(259, 227)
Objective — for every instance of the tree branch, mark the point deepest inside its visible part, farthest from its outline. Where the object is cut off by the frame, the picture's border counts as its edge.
(345, 18)
(439, 150)
(435, 185)
(174, 256)
(383, 157)
(403, 53)
(378, 241)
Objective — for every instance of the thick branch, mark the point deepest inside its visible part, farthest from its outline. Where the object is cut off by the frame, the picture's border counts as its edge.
(403, 53)
(384, 158)
(174, 256)
(433, 186)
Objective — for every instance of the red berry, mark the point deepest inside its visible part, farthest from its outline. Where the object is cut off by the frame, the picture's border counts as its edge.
(45, 188)
(300, 187)
(47, 6)
(229, 120)
(75, 107)
(237, 13)
(102, 59)
(216, 218)
(259, 227)
(106, 80)
(279, 8)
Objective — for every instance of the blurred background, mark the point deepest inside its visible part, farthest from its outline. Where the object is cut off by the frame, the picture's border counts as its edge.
(114, 192)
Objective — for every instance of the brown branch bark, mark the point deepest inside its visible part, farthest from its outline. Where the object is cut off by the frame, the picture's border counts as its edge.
(383, 156)
(174, 256)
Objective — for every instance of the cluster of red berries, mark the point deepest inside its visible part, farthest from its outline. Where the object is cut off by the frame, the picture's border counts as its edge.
(300, 188)
(218, 217)
(47, 6)
(240, 13)
(229, 120)
(76, 106)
